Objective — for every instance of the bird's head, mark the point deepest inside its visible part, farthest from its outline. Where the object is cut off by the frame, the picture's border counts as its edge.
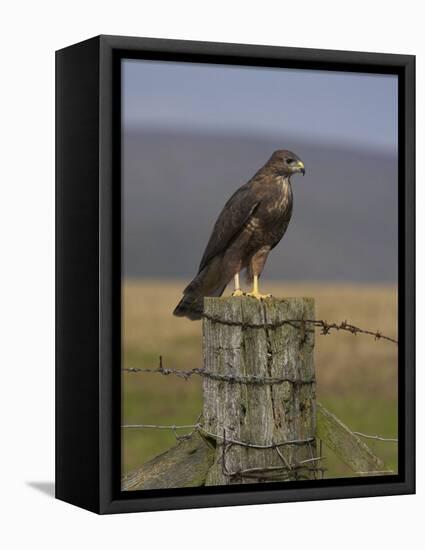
(285, 163)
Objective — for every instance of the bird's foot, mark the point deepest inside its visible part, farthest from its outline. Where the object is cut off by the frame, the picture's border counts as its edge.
(258, 295)
(238, 292)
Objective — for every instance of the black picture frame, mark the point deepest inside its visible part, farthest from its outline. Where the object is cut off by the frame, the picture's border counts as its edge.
(88, 273)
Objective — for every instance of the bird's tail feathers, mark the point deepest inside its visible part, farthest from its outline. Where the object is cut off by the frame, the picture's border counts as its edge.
(192, 303)
(190, 306)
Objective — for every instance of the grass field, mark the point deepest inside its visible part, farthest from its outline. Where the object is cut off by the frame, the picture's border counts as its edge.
(356, 375)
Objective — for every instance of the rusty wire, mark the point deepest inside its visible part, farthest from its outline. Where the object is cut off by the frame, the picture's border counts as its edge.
(377, 437)
(249, 445)
(199, 427)
(161, 426)
(286, 471)
(233, 379)
(325, 327)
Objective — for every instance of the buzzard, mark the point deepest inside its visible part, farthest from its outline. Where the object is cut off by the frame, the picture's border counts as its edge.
(251, 223)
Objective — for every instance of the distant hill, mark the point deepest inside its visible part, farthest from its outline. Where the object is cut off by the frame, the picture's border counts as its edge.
(344, 225)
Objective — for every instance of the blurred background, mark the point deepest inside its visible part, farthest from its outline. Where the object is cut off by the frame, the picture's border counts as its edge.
(192, 134)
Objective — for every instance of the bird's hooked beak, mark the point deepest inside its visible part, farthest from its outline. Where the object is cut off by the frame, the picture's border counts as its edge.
(300, 167)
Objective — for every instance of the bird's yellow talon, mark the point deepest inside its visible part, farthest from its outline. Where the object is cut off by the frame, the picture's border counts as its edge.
(256, 292)
(258, 295)
(238, 292)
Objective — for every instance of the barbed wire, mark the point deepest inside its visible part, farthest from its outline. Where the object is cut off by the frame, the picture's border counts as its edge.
(285, 471)
(231, 378)
(161, 426)
(377, 437)
(185, 374)
(260, 473)
(199, 427)
(250, 445)
(289, 470)
(344, 325)
(325, 327)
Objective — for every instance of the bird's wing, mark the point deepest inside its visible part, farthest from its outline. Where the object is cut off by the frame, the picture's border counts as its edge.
(235, 214)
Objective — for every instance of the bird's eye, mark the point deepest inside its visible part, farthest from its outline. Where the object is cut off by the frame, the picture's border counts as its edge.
(290, 161)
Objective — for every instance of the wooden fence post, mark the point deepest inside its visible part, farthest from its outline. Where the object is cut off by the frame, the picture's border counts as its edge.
(259, 389)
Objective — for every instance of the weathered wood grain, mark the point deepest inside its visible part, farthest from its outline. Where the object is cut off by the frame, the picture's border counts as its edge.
(185, 465)
(260, 414)
(346, 445)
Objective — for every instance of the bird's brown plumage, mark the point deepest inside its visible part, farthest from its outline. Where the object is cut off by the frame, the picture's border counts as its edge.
(251, 224)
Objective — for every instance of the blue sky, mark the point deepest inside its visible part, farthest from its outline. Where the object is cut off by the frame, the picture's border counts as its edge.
(352, 109)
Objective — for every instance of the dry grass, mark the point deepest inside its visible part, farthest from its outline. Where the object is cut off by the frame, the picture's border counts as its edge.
(357, 377)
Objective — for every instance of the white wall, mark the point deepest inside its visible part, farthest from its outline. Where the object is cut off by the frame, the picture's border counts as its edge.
(30, 32)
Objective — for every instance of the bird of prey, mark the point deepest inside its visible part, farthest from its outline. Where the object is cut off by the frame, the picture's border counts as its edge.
(251, 224)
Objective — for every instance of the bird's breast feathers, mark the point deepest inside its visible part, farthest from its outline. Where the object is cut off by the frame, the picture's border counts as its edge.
(279, 199)
(274, 211)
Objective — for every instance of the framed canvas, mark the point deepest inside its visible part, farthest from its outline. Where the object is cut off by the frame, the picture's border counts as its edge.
(182, 167)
